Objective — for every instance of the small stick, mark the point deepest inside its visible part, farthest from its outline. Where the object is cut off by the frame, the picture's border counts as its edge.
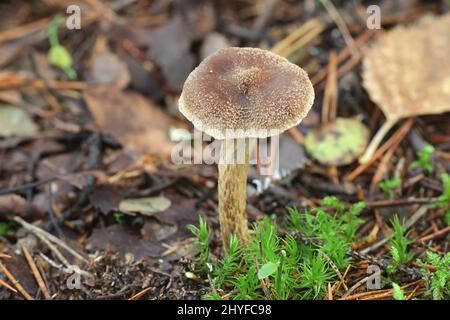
(139, 294)
(357, 285)
(330, 292)
(379, 293)
(49, 236)
(26, 187)
(295, 35)
(23, 30)
(15, 282)
(413, 292)
(330, 99)
(399, 203)
(35, 271)
(4, 256)
(376, 140)
(434, 235)
(337, 18)
(334, 267)
(400, 134)
(382, 167)
(342, 55)
(297, 135)
(7, 286)
(342, 281)
(55, 250)
(303, 41)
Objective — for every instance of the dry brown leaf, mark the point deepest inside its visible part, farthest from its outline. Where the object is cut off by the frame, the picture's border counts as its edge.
(146, 206)
(120, 239)
(108, 69)
(136, 122)
(407, 72)
(14, 205)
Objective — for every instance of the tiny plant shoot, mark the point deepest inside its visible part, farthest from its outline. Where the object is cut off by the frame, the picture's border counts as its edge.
(389, 186)
(425, 159)
(397, 292)
(58, 55)
(399, 246)
(444, 198)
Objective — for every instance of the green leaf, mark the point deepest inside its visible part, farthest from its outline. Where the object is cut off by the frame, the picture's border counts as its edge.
(60, 57)
(397, 292)
(338, 143)
(15, 122)
(425, 159)
(267, 269)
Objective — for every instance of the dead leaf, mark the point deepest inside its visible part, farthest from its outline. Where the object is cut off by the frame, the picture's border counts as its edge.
(108, 69)
(407, 73)
(292, 155)
(170, 49)
(14, 205)
(154, 230)
(81, 180)
(105, 198)
(182, 213)
(339, 142)
(15, 122)
(145, 206)
(133, 120)
(117, 238)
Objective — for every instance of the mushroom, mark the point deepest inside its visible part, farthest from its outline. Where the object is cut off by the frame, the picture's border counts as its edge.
(236, 94)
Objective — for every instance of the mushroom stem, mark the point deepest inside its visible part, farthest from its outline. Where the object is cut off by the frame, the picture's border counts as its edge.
(376, 140)
(232, 189)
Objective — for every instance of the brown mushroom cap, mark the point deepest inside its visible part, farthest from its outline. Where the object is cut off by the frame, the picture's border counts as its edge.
(250, 91)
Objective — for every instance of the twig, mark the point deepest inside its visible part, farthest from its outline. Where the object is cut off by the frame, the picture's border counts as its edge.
(399, 203)
(376, 140)
(434, 235)
(337, 18)
(330, 99)
(330, 292)
(55, 250)
(35, 271)
(300, 32)
(26, 186)
(359, 284)
(7, 286)
(333, 266)
(49, 236)
(342, 281)
(23, 30)
(342, 55)
(379, 293)
(400, 134)
(139, 294)
(413, 292)
(4, 256)
(15, 282)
